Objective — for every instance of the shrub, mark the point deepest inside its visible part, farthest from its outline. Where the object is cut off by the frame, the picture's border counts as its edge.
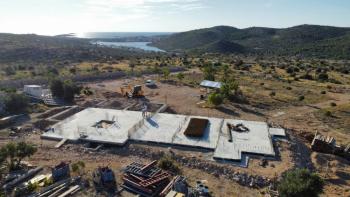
(16, 103)
(273, 93)
(323, 77)
(301, 98)
(167, 163)
(328, 113)
(65, 90)
(289, 88)
(323, 92)
(215, 99)
(300, 182)
(333, 104)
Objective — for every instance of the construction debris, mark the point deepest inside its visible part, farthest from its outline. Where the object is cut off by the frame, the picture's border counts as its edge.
(61, 171)
(103, 177)
(327, 144)
(238, 127)
(59, 188)
(145, 180)
(22, 178)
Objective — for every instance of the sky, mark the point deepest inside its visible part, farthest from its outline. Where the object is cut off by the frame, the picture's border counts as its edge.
(51, 17)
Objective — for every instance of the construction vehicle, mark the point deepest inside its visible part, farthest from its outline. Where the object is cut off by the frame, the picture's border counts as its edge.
(132, 91)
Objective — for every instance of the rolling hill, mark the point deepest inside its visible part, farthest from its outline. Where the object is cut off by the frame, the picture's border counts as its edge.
(303, 40)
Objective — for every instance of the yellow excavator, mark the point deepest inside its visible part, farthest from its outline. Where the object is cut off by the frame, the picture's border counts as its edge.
(132, 91)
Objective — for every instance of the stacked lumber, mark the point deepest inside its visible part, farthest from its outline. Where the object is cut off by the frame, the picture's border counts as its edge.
(145, 180)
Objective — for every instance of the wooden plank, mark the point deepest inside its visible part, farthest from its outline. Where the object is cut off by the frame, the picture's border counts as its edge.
(71, 190)
(59, 144)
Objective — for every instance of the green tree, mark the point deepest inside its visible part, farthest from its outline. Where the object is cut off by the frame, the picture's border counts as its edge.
(65, 90)
(14, 153)
(215, 99)
(69, 90)
(166, 73)
(16, 103)
(24, 150)
(229, 88)
(225, 69)
(180, 76)
(56, 87)
(300, 182)
(209, 72)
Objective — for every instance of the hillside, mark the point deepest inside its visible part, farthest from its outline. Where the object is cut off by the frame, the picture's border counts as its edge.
(304, 40)
(42, 49)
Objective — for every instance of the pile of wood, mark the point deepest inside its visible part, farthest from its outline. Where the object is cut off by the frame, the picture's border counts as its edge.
(327, 144)
(145, 180)
(324, 144)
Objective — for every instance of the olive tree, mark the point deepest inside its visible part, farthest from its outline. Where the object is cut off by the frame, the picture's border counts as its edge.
(300, 182)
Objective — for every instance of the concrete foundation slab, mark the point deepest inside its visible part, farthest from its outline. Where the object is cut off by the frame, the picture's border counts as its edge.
(118, 126)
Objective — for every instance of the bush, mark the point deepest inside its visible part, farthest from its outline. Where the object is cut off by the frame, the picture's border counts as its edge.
(167, 163)
(56, 87)
(300, 182)
(215, 99)
(16, 103)
(273, 93)
(323, 92)
(301, 98)
(65, 90)
(333, 104)
(328, 113)
(323, 77)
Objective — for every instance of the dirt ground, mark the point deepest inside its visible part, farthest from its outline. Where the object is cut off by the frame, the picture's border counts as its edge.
(184, 100)
(48, 156)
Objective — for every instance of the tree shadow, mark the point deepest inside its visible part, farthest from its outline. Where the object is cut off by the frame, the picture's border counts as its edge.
(228, 111)
(247, 110)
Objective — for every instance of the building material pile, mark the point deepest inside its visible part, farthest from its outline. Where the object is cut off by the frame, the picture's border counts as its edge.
(238, 127)
(196, 127)
(145, 180)
(61, 171)
(324, 144)
(104, 177)
(177, 187)
(61, 188)
(31, 173)
(327, 144)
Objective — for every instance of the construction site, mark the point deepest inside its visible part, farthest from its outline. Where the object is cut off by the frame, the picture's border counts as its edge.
(228, 139)
(126, 137)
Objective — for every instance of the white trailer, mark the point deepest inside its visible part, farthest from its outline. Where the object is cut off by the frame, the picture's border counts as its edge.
(34, 91)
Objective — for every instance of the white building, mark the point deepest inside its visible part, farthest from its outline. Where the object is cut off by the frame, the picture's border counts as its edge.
(36, 91)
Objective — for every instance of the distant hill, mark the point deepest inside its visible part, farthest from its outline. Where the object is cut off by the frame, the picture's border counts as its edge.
(41, 49)
(303, 40)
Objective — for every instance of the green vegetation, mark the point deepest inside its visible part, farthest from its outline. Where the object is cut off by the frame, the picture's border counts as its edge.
(180, 76)
(78, 167)
(300, 182)
(306, 40)
(13, 103)
(14, 153)
(64, 89)
(167, 163)
(215, 99)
